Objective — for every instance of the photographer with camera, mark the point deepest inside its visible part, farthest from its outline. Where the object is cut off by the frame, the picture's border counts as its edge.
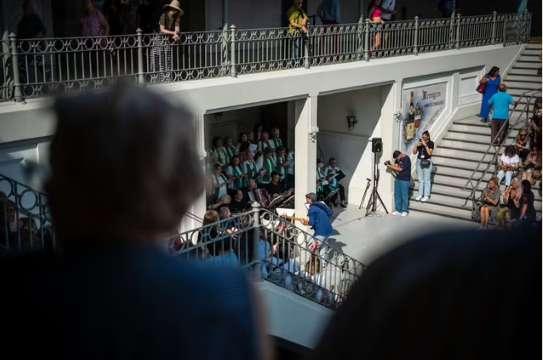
(402, 170)
(424, 150)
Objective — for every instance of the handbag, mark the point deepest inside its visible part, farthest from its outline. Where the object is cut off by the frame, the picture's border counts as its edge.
(481, 87)
(425, 163)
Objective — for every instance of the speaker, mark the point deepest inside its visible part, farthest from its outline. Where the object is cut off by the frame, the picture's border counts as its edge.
(376, 145)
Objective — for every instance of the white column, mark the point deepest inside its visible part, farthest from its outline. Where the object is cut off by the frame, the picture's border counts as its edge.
(305, 138)
(389, 133)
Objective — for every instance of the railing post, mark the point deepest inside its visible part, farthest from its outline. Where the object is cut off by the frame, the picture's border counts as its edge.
(17, 93)
(256, 238)
(306, 51)
(141, 78)
(367, 40)
(494, 19)
(416, 36)
(457, 46)
(504, 30)
(225, 63)
(451, 30)
(233, 51)
(360, 32)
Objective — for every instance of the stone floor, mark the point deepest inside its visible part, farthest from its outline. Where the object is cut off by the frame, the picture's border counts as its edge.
(365, 238)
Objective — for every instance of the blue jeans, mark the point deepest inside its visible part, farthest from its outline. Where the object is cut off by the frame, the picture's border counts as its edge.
(401, 195)
(425, 179)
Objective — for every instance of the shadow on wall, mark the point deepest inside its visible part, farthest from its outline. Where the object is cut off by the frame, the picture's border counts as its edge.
(351, 145)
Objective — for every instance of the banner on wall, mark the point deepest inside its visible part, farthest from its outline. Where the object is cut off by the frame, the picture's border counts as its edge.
(421, 106)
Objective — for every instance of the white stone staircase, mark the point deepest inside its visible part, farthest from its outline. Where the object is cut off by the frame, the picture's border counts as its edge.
(457, 155)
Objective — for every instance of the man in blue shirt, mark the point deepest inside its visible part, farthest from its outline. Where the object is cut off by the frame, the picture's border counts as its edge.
(499, 104)
(402, 169)
(320, 217)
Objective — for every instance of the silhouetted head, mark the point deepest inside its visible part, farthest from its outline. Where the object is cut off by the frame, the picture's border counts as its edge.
(510, 151)
(494, 71)
(123, 166)
(446, 295)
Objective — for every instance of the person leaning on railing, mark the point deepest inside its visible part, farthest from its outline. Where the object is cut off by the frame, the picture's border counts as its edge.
(297, 27)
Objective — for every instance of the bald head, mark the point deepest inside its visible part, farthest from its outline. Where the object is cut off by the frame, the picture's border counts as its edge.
(502, 87)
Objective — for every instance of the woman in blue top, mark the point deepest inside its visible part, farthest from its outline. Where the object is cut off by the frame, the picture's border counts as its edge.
(492, 81)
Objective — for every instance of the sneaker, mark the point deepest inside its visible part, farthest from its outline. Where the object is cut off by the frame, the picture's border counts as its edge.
(418, 198)
(404, 213)
(343, 204)
(396, 213)
(424, 199)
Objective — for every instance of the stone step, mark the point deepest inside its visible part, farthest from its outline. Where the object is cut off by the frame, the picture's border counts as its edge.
(526, 65)
(481, 128)
(529, 57)
(457, 144)
(454, 181)
(531, 51)
(460, 198)
(477, 138)
(436, 209)
(523, 78)
(523, 85)
(523, 71)
(445, 169)
(458, 163)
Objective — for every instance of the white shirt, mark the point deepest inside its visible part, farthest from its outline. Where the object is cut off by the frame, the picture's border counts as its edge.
(509, 161)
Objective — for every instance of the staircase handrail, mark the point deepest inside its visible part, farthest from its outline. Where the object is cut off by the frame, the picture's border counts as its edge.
(528, 95)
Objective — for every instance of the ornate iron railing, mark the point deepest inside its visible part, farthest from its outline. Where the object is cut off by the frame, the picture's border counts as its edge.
(25, 221)
(274, 250)
(43, 66)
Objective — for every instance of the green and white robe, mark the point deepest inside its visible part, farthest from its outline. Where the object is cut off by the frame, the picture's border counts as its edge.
(238, 180)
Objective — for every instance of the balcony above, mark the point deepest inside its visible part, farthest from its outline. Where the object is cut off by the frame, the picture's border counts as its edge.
(41, 67)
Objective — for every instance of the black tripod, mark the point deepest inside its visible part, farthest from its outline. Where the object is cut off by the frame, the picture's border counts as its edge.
(374, 197)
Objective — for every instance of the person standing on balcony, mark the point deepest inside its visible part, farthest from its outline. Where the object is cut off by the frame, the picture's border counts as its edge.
(297, 28)
(329, 12)
(376, 18)
(499, 103)
(30, 26)
(488, 86)
(93, 22)
(162, 61)
(424, 150)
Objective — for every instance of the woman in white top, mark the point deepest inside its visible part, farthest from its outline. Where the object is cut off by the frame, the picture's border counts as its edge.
(508, 164)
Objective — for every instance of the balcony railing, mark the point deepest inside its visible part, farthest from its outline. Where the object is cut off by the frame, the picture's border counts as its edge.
(273, 250)
(45, 66)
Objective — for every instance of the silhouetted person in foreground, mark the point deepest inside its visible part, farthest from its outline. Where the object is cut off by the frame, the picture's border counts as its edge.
(467, 295)
(124, 170)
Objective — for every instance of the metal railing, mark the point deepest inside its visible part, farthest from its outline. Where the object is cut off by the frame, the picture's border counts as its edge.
(25, 221)
(274, 250)
(44, 66)
(488, 159)
(271, 247)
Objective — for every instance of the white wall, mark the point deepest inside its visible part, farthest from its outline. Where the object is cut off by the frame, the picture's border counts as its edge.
(351, 147)
(291, 317)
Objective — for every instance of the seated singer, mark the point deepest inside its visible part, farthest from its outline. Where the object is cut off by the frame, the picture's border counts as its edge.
(333, 176)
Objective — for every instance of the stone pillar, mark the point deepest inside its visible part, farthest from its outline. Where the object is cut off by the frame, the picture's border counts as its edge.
(305, 137)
